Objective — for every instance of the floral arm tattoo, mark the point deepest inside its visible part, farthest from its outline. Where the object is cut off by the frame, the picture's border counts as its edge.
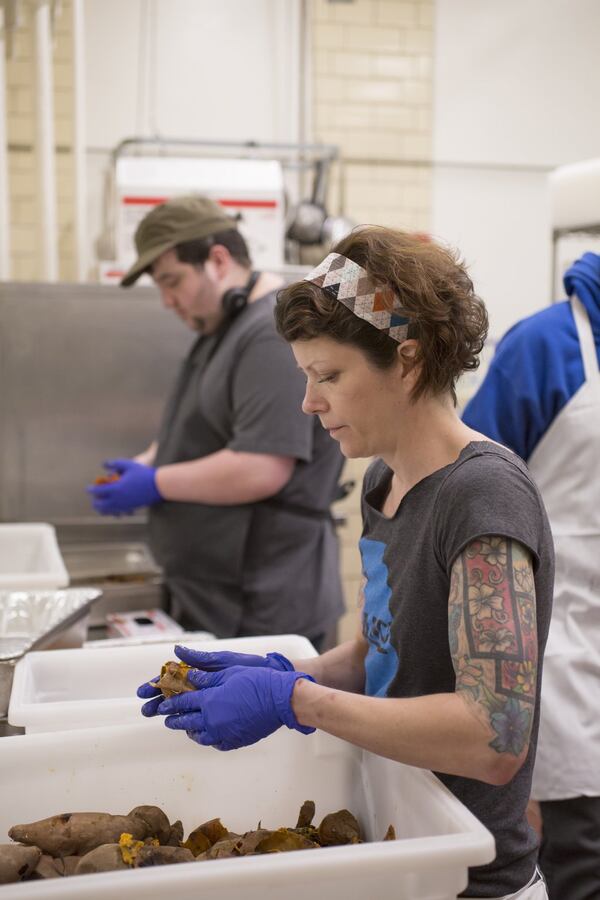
(493, 637)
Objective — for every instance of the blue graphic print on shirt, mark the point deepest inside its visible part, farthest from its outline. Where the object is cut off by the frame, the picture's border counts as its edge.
(381, 663)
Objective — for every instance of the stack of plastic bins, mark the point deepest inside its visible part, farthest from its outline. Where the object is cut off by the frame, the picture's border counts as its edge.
(95, 764)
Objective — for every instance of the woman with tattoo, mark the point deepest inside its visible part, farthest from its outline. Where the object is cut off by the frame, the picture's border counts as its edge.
(456, 553)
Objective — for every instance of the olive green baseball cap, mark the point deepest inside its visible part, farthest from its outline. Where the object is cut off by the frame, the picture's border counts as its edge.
(171, 223)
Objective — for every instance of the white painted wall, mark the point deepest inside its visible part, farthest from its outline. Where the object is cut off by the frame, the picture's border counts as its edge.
(516, 93)
(188, 69)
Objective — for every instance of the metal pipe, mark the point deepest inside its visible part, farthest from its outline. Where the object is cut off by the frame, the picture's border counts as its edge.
(45, 142)
(318, 151)
(79, 167)
(4, 192)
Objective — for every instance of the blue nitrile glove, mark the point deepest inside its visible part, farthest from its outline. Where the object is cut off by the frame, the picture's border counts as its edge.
(136, 487)
(224, 659)
(235, 707)
(211, 662)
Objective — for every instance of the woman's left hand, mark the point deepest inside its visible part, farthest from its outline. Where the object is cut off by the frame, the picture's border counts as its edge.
(234, 707)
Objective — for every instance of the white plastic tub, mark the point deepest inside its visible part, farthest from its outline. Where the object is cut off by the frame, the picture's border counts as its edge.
(30, 557)
(90, 688)
(115, 769)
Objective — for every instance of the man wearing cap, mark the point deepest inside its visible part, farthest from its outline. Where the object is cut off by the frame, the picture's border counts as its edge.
(239, 481)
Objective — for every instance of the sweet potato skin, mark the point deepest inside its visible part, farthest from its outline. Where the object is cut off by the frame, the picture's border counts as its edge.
(17, 862)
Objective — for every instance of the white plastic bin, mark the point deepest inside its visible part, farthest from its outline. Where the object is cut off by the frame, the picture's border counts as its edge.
(30, 557)
(86, 688)
(115, 769)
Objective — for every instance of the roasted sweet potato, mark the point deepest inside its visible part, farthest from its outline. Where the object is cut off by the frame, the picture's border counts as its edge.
(106, 858)
(48, 867)
(176, 834)
(157, 822)
(150, 855)
(247, 843)
(111, 857)
(107, 479)
(17, 862)
(75, 834)
(173, 679)
(69, 864)
(339, 828)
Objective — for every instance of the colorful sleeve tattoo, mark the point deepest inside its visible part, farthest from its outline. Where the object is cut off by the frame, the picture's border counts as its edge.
(493, 640)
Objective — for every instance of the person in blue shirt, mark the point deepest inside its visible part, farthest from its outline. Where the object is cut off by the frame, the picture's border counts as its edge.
(541, 398)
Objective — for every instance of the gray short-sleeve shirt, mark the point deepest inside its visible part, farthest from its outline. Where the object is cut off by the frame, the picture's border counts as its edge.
(252, 568)
(407, 560)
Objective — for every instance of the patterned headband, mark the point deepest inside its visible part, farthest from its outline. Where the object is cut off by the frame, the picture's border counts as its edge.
(347, 282)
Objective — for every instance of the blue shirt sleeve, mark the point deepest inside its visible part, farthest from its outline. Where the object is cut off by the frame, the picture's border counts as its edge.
(535, 371)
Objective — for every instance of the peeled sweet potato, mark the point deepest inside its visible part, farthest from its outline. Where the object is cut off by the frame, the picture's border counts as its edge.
(17, 862)
(107, 478)
(75, 834)
(173, 679)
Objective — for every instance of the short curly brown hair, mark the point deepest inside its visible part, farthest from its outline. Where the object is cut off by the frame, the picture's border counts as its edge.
(447, 318)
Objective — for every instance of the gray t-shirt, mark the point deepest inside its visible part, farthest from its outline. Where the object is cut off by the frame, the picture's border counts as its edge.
(407, 560)
(260, 568)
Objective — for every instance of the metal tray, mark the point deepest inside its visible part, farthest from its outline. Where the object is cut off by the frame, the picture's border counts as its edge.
(32, 620)
(116, 560)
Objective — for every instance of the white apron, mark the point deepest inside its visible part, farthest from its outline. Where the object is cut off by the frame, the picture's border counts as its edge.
(566, 467)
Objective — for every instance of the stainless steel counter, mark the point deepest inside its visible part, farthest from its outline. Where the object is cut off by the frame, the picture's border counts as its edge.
(7, 730)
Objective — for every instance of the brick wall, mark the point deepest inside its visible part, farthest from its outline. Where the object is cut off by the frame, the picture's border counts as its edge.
(372, 96)
(22, 170)
(371, 86)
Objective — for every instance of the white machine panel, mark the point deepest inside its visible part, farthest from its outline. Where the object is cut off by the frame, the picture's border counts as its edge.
(249, 189)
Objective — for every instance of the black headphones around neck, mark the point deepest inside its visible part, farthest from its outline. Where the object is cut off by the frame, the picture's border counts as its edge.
(235, 299)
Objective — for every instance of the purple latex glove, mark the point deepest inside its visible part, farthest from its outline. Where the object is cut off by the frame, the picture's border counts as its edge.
(211, 662)
(234, 707)
(135, 487)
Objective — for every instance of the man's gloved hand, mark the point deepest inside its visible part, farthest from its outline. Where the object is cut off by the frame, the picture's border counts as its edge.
(211, 662)
(234, 707)
(135, 487)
